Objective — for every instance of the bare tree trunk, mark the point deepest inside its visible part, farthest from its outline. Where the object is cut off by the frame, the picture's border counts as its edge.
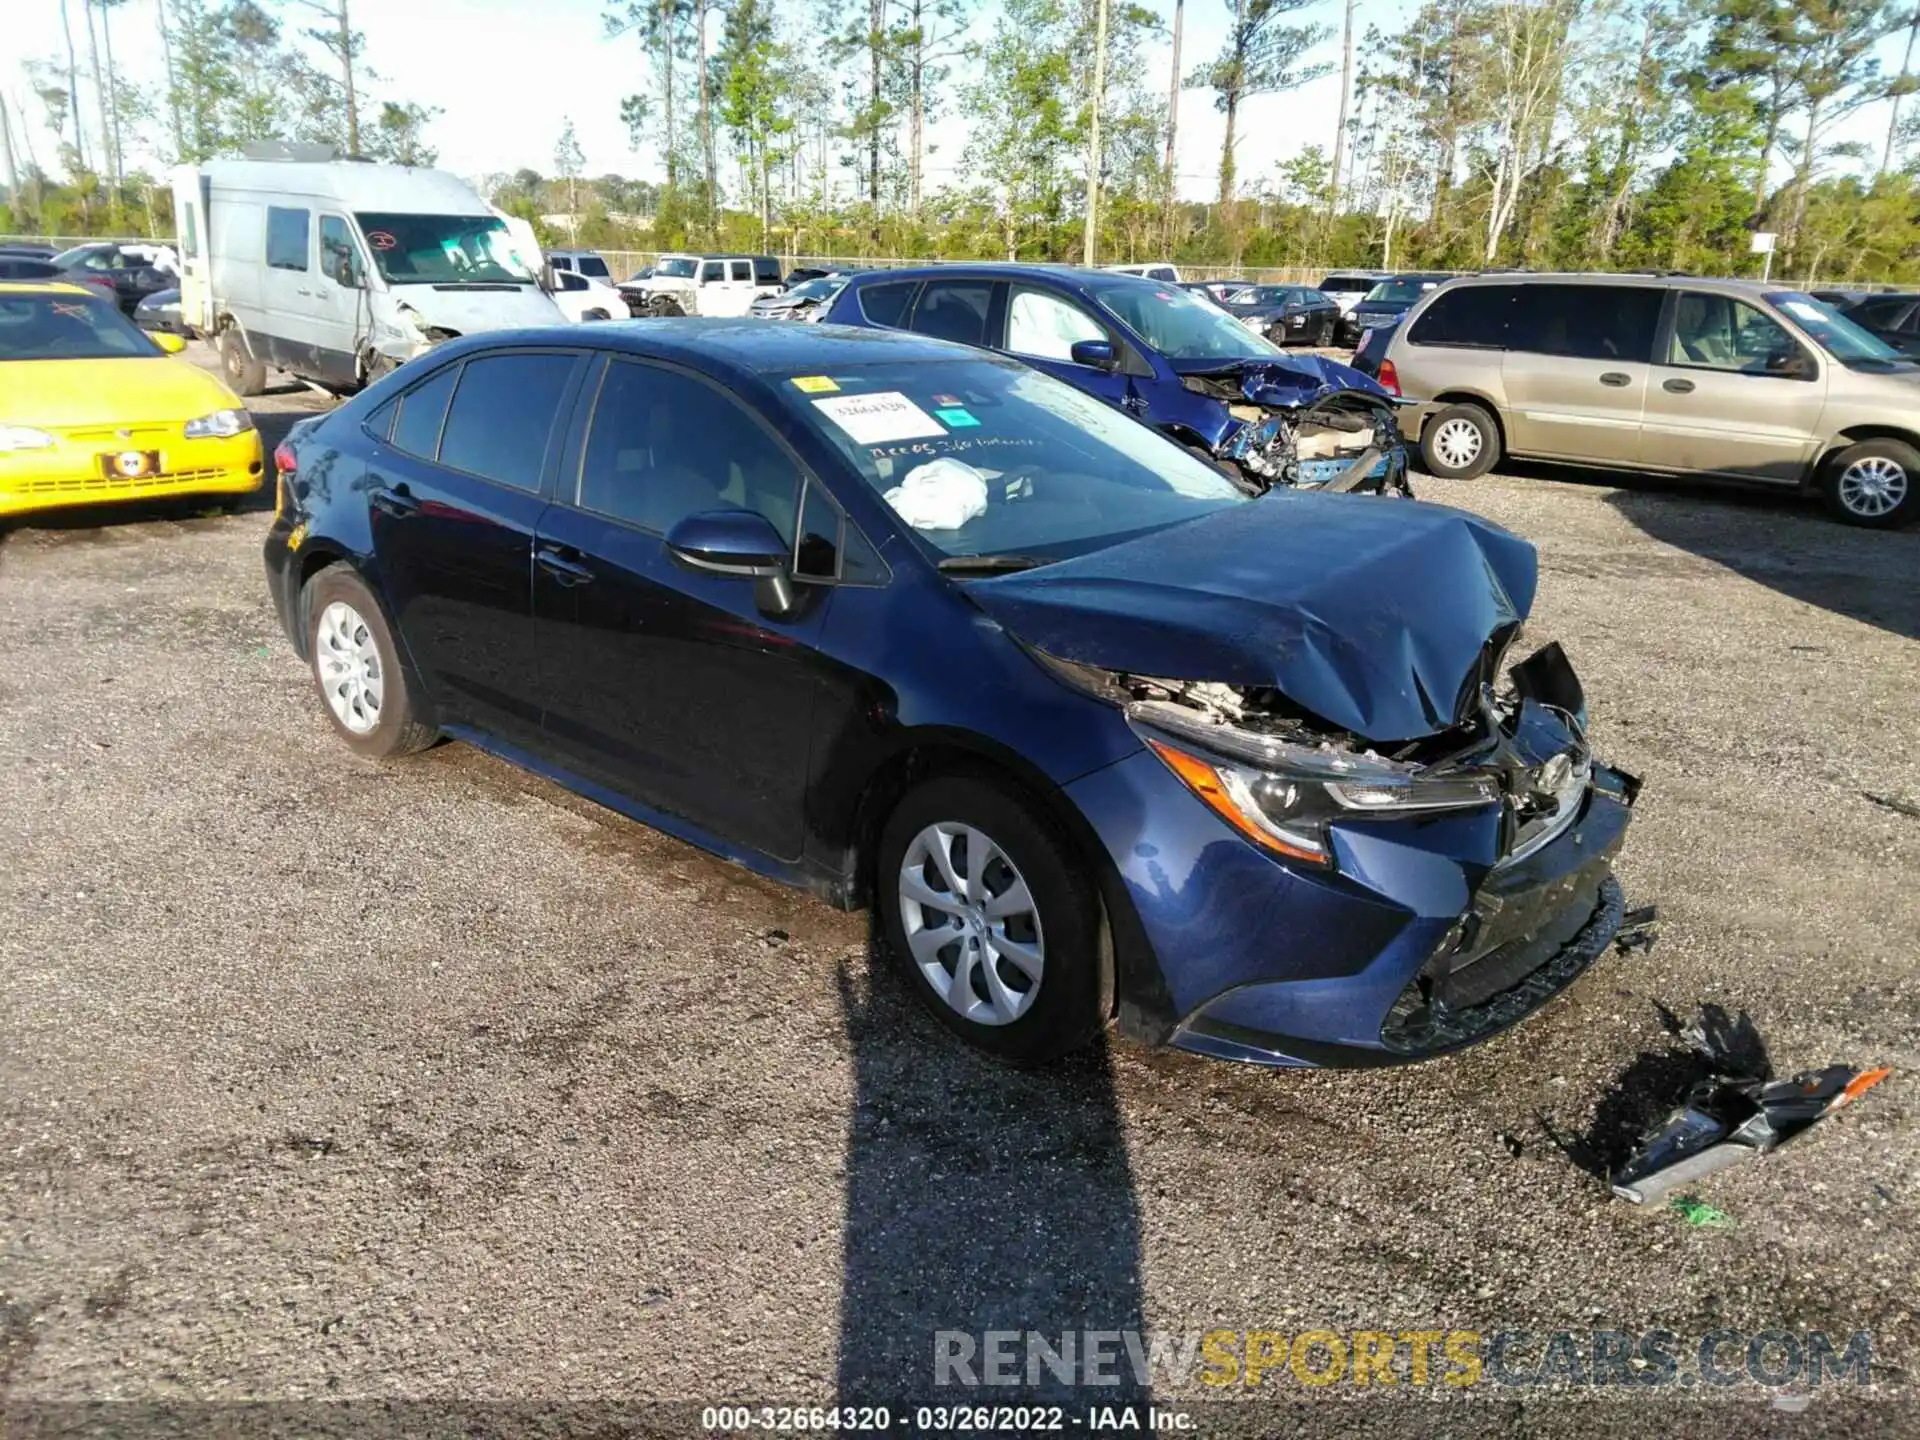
(1893, 120)
(1173, 127)
(1093, 131)
(1803, 178)
(666, 89)
(1233, 113)
(876, 26)
(1340, 128)
(13, 170)
(706, 130)
(173, 95)
(918, 121)
(73, 89)
(100, 105)
(113, 97)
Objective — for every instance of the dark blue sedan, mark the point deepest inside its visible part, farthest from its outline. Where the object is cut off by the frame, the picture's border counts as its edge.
(1098, 735)
(1165, 355)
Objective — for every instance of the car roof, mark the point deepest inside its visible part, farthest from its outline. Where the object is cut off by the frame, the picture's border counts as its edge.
(1070, 275)
(738, 343)
(1723, 284)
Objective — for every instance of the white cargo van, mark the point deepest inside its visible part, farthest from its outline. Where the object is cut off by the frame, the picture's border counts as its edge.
(337, 271)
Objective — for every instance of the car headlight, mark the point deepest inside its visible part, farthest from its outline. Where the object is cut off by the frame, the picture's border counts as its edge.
(220, 425)
(1283, 796)
(24, 437)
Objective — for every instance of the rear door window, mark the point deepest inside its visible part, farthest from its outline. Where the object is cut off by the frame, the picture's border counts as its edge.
(596, 267)
(742, 271)
(1474, 316)
(954, 310)
(1585, 322)
(423, 410)
(886, 304)
(287, 238)
(502, 415)
(766, 270)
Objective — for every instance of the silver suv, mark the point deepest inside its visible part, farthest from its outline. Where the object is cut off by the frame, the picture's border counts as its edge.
(1729, 379)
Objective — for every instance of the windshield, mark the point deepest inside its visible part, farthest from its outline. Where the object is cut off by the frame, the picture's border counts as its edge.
(984, 458)
(445, 250)
(1184, 326)
(821, 289)
(68, 327)
(1264, 295)
(676, 267)
(1400, 292)
(1836, 334)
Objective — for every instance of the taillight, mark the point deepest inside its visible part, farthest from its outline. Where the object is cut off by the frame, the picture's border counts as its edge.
(1389, 378)
(284, 460)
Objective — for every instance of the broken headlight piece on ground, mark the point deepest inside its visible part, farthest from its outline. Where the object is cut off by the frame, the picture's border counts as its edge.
(1725, 1119)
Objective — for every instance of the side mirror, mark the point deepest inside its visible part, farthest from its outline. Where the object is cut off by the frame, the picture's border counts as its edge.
(169, 342)
(1096, 353)
(547, 282)
(742, 543)
(1789, 364)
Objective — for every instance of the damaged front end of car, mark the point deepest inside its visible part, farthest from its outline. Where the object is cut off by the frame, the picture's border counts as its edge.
(1494, 837)
(1304, 422)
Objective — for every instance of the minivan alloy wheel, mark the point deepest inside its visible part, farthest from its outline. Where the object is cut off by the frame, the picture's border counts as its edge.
(971, 923)
(347, 660)
(1873, 485)
(1457, 443)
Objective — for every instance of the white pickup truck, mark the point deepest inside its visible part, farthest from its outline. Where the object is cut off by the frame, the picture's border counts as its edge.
(704, 285)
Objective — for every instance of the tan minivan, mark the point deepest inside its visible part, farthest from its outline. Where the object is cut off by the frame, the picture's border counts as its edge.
(1730, 379)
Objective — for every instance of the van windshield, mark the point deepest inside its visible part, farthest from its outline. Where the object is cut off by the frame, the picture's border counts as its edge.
(445, 250)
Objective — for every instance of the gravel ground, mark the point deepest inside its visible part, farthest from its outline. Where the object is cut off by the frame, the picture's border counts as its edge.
(327, 1080)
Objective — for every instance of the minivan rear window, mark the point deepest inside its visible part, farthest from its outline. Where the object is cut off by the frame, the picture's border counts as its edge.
(1586, 322)
(1359, 284)
(1474, 316)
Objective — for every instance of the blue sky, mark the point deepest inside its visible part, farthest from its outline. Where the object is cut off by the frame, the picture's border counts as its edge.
(508, 73)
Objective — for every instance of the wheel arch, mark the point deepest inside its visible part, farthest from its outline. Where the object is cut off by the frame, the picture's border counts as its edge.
(1856, 434)
(1128, 965)
(1467, 397)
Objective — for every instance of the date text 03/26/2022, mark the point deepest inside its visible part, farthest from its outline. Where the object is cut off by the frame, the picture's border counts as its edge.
(960, 1419)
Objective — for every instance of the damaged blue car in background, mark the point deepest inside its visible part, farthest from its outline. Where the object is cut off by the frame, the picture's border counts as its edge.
(1164, 355)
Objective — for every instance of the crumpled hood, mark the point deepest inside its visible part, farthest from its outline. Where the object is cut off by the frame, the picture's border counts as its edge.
(1293, 380)
(1372, 614)
(469, 312)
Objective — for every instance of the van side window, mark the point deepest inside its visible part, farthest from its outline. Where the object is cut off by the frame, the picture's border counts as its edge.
(190, 232)
(1586, 322)
(1475, 316)
(287, 238)
(1717, 332)
(339, 261)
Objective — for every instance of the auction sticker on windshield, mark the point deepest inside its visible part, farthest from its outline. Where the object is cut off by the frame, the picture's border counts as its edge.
(875, 419)
(815, 384)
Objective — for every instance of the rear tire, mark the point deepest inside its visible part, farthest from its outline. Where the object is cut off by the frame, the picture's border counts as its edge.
(1012, 960)
(1873, 484)
(356, 668)
(1459, 442)
(246, 375)
(1325, 338)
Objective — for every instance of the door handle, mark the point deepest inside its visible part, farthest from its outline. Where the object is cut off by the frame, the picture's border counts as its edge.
(307, 293)
(396, 502)
(1616, 378)
(1677, 386)
(567, 572)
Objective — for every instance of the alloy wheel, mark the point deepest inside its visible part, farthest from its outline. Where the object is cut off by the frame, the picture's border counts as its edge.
(1457, 443)
(971, 923)
(1873, 486)
(347, 660)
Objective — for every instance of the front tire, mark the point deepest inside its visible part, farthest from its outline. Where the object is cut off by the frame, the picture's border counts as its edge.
(356, 668)
(245, 374)
(986, 908)
(1873, 484)
(1460, 442)
(1325, 337)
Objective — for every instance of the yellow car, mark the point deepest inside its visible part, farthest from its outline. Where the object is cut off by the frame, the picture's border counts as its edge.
(93, 410)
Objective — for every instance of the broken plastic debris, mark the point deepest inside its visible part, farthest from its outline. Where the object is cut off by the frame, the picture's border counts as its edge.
(942, 494)
(1698, 1213)
(1725, 1119)
(1636, 932)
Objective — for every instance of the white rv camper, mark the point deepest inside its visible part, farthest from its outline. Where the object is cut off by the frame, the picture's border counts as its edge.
(339, 270)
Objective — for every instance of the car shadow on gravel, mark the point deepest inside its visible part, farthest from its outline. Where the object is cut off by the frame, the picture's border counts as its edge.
(980, 1199)
(1784, 542)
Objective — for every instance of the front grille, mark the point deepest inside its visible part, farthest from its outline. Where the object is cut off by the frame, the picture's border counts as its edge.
(106, 484)
(124, 437)
(1425, 1020)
